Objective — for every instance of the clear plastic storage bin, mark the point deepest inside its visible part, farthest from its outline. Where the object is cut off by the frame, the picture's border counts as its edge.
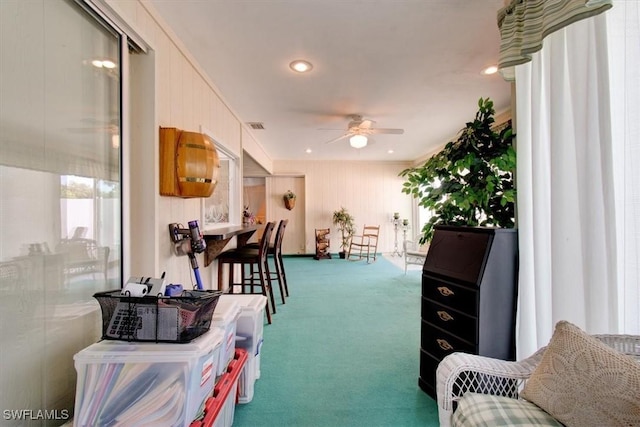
(225, 317)
(133, 383)
(249, 336)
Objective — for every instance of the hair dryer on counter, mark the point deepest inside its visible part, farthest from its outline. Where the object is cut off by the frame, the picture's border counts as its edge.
(188, 241)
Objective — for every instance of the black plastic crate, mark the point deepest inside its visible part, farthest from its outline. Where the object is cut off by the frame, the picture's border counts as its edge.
(177, 319)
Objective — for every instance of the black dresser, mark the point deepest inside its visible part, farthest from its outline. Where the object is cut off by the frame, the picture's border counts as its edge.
(469, 290)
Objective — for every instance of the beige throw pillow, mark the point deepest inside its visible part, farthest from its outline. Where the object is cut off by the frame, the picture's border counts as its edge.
(583, 382)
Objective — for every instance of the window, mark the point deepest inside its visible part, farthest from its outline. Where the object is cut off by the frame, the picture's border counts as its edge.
(220, 209)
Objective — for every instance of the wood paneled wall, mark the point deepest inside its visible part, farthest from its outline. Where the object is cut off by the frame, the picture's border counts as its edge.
(183, 97)
(371, 191)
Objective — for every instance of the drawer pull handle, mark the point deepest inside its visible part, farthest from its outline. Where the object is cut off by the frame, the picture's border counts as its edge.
(444, 316)
(445, 291)
(444, 345)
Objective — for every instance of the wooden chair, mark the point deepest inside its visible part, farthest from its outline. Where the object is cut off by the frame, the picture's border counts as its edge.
(251, 258)
(277, 257)
(367, 241)
(275, 251)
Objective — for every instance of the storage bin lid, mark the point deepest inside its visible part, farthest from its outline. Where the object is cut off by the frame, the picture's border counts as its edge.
(111, 351)
(226, 311)
(246, 302)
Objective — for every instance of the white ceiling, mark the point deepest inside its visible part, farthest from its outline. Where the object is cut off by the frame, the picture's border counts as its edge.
(411, 64)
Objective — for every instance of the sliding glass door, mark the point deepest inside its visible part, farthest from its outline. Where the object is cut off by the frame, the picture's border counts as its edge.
(60, 196)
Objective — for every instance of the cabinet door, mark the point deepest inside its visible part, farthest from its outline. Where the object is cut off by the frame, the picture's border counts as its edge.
(458, 254)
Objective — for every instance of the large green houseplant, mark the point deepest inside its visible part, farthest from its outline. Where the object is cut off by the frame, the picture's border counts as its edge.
(346, 224)
(469, 182)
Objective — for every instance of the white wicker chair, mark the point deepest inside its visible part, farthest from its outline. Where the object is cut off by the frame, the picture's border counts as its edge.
(414, 252)
(460, 373)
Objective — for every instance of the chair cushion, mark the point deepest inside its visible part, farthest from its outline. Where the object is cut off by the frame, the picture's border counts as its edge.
(490, 411)
(581, 381)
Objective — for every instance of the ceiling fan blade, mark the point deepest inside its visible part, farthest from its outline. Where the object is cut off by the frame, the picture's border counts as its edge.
(387, 131)
(346, 135)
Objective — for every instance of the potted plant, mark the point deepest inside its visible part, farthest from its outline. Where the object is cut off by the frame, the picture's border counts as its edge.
(289, 199)
(469, 182)
(345, 222)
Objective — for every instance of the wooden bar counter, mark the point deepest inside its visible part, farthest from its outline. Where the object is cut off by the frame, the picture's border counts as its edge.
(218, 238)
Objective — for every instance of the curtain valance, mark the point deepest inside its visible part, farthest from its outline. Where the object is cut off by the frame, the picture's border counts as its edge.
(524, 24)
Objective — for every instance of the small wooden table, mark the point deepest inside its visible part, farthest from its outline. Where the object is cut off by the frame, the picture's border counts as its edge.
(218, 238)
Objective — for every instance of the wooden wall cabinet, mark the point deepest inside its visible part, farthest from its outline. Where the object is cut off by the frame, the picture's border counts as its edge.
(189, 164)
(469, 291)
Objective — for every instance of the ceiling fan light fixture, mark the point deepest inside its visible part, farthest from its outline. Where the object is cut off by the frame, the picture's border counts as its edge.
(301, 66)
(358, 141)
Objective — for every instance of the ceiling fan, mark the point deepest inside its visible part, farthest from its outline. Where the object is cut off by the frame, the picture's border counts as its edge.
(359, 129)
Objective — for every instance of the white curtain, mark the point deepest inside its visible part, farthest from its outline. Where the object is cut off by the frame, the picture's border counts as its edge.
(566, 205)
(624, 51)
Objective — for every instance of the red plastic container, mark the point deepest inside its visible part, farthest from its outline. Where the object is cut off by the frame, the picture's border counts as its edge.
(219, 409)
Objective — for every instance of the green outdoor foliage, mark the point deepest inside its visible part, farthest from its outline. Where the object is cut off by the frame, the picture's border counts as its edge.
(79, 190)
(469, 182)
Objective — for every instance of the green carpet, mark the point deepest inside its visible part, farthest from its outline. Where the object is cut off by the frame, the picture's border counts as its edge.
(343, 350)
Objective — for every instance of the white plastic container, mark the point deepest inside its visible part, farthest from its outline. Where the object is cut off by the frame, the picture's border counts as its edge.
(133, 383)
(225, 317)
(249, 336)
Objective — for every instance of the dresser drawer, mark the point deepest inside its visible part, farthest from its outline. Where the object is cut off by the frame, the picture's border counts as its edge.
(457, 297)
(439, 343)
(456, 323)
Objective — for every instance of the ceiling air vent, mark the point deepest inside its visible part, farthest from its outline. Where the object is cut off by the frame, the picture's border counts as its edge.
(256, 125)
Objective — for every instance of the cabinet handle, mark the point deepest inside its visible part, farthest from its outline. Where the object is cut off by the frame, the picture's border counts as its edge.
(444, 345)
(444, 316)
(445, 291)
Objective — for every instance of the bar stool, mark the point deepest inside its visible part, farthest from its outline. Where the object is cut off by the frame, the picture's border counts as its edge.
(252, 258)
(275, 250)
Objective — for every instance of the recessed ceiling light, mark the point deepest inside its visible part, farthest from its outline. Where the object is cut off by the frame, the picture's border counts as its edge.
(108, 64)
(103, 63)
(308, 150)
(490, 70)
(390, 151)
(301, 66)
